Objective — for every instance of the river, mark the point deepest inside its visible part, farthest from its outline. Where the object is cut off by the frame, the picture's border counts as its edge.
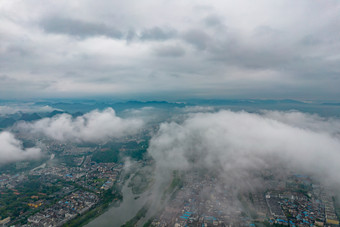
(117, 216)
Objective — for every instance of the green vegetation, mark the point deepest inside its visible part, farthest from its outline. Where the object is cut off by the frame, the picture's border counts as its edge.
(14, 202)
(251, 198)
(336, 205)
(175, 183)
(246, 208)
(106, 156)
(69, 160)
(148, 223)
(140, 214)
(84, 219)
(115, 152)
(19, 167)
(266, 224)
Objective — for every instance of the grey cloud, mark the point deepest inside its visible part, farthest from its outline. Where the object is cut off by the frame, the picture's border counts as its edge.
(5, 78)
(11, 149)
(79, 28)
(235, 144)
(310, 40)
(212, 21)
(274, 49)
(169, 51)
(19, 50)
(95, 126)
(197, 38)
(232, 52)
(250, 58)
(265, 50)
(158, 34)
(267, 32)
(131, 35)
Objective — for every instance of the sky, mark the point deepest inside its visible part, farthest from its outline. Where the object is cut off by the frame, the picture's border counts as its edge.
(161, 49)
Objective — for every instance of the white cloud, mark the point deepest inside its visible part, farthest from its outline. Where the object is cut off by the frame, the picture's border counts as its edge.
(235, 144)
(25, 108)
(196, 109)
(12, 150)
(312, 122)
(94, 126)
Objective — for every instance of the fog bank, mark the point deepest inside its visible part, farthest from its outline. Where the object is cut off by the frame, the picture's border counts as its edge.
(11, 149)
(236, 144)
(95, 126)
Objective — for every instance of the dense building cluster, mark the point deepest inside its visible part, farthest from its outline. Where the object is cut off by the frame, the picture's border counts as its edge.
(60, 192)
(76, 203)
(292, 201)
(202, 202)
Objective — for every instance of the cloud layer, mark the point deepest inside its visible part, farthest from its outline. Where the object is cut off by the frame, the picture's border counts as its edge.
(95, 126)
(25, 108)
(237, 144)
(11, 149)
(172, 49)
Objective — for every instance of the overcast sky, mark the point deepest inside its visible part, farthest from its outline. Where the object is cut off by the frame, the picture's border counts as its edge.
(161, 49)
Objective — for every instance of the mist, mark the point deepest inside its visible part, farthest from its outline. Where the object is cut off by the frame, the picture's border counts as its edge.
(11, 149)
(237, 144)
(95, 126)
(24, 108)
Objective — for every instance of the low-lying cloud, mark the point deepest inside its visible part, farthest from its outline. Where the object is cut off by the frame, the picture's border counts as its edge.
(11, 149)
(24, 108)
(95, 126)
(235, 144)
(312, 122)
(197, 109)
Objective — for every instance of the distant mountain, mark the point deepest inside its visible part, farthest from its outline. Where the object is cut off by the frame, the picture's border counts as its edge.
(139, 104)
(29, 117)
(331, 104)
(244, 102)
(78, 107)
(77, 114)
(55, 112)
(7, 122)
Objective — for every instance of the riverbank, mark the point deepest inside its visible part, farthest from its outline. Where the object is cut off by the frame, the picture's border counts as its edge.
(109, 200)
